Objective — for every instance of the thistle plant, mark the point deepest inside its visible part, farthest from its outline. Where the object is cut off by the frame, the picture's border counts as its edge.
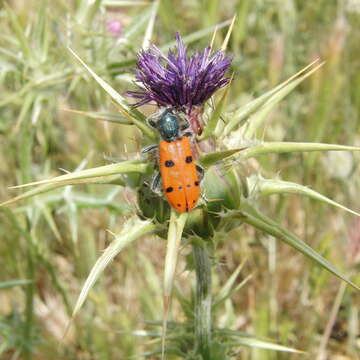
(225, 142)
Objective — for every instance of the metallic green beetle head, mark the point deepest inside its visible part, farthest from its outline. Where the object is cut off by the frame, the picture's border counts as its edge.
(168, 125)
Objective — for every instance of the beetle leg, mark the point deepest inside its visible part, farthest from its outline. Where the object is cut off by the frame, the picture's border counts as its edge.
(204, 198)
(149, 148)
(152, 123)
(156, 184)
(185, 125)
(201, 171)
(188, 134)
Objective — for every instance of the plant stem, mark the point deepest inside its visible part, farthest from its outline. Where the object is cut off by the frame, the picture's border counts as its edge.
(202, 301)
(29, 307)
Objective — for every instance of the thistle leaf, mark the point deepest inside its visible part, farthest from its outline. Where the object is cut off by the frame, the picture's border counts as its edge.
(226, 291)
(244, 339)
(130, 166)
(289, 147)
(261, 344)
(209, 159)
(270, 187)
(215, 115)
(228, 34)
(104, 116)
(133, 229)
(258, 220)
(257, 119)
(229, 291)
(150, 27)
(176, 226)
(135, 116)
(244, 112)
(50, 184)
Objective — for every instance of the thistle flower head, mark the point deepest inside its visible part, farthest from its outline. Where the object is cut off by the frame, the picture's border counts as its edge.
(178, 80)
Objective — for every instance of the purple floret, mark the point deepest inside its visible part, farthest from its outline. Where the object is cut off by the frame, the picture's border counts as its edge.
(177, 80)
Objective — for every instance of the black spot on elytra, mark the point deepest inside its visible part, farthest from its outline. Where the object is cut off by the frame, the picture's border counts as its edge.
(193, 201)
(188, 159)
(196, 183)
(169, 189)
(169, 163)
(188, 185)
(180, 187)
(178, 205)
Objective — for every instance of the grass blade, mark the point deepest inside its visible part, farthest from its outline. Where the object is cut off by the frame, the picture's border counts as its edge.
(197, 35)
(12, 283)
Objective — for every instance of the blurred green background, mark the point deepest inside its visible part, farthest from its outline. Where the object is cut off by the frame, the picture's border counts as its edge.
(48, 244)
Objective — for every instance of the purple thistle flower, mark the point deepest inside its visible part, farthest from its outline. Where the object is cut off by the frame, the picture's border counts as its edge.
(114, 27)
(177, 80)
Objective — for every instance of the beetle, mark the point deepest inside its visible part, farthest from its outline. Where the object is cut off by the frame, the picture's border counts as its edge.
(179, 177)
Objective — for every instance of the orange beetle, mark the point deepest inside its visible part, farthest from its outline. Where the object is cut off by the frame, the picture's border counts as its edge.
(179, 175)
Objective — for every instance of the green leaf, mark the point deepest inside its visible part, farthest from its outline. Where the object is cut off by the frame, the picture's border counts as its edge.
(230, 290)
(256, 120)
(130, 166)
(150, 28)
(225, 290)
(253, 217)
(209, 159)
(105, 116)
(261, 344)
(228, 34)
(244, 112)
(210, 127)
(244, 339)
(133, 229)
(102, 174)
(270, 187)
(289, 147)
(176, 226)
(135, 116)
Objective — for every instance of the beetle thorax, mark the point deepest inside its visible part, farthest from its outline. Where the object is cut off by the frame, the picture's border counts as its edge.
(168, 126)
